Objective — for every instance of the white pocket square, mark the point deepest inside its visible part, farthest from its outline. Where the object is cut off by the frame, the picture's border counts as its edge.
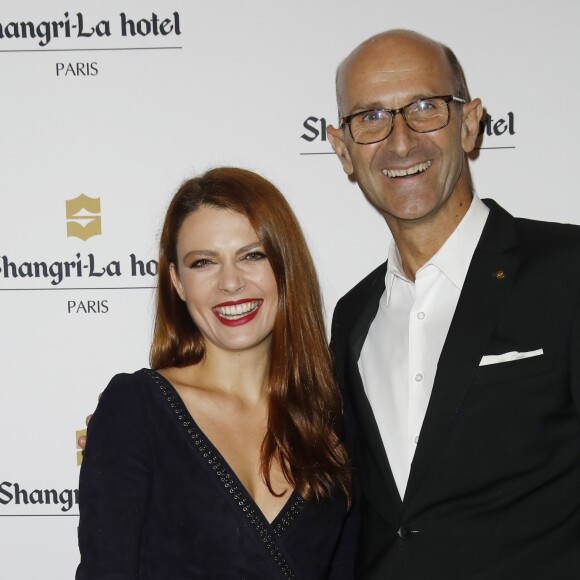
(493, 359)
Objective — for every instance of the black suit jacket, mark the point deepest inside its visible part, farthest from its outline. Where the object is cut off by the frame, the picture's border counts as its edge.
(494, 488)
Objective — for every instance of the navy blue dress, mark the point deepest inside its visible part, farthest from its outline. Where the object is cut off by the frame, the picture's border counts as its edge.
(159, 502)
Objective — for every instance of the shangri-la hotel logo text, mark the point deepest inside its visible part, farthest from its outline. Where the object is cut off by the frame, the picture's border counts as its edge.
(83, 221)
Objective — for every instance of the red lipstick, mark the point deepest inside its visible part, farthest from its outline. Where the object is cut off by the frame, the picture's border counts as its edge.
(239, 318)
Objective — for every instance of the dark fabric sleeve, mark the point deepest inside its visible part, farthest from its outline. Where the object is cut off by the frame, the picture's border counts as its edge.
(575, 357)
(337, 350)
(343, 562)
(114, 484)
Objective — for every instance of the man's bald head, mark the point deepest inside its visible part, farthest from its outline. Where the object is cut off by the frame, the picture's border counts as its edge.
(383, 43)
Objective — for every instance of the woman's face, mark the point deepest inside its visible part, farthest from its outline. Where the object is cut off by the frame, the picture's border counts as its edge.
(225, 278)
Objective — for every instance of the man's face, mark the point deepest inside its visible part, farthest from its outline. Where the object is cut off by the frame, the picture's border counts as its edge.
(409, 175)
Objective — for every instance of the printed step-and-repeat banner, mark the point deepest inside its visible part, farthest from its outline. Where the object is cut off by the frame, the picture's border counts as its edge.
(107, 106)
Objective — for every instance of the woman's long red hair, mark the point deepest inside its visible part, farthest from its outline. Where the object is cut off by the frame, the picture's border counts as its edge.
(304, 405)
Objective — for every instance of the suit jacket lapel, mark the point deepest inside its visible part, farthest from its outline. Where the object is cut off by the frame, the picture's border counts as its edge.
(488, 281)
(369, 433)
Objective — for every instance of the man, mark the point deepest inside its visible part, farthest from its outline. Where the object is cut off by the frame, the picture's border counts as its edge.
(460, 356)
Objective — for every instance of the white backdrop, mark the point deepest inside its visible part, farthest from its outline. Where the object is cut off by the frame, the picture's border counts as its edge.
(124, 119)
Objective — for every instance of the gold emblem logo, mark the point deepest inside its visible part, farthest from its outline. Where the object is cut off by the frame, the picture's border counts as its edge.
(76, 213)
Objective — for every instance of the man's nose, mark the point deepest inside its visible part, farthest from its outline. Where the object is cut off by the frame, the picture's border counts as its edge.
(402, 138)
(231, 278)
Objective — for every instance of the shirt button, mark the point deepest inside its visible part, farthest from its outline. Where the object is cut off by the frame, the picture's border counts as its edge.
(404, 532)
(416, 440)
(420, 315)
(418, 377)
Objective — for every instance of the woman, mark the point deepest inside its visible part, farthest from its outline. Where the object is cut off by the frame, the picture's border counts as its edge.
(224, 462)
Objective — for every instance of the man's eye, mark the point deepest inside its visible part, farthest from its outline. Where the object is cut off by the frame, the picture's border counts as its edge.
(201, 263)
(255, 256)
(423, 106)
(374, 116)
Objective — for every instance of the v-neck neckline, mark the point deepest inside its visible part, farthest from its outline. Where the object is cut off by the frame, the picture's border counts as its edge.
(222, 469)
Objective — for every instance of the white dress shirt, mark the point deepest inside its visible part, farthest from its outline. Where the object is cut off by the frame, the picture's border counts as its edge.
(399, 357)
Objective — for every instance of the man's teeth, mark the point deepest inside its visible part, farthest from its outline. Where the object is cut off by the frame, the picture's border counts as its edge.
(410, 171)
(237, 310)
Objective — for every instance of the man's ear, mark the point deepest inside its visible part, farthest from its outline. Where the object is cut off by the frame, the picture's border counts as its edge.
(336, 138)
(472, 113)
(176, 281)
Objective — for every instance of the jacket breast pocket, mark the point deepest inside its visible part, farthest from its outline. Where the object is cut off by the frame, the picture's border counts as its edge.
(525, 368)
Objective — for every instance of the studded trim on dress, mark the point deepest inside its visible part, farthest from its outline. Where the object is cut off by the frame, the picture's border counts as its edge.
(224, 475)
(287, 516)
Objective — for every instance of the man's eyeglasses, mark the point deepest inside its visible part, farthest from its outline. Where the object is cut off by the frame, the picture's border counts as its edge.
(422, 116)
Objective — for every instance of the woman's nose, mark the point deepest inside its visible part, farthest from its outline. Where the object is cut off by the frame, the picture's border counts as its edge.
(231, 279)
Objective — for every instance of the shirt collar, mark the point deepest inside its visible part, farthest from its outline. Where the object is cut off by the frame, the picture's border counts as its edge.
(454, 256)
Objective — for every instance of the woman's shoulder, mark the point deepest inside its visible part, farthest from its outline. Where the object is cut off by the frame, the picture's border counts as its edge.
(129, 405)
(129, 385)
(131, 393)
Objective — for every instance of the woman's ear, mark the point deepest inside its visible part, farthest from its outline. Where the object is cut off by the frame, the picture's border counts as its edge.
(176, 281)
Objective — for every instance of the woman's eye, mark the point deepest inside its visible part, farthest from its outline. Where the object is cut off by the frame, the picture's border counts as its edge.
(255, 256)
(201, 263)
